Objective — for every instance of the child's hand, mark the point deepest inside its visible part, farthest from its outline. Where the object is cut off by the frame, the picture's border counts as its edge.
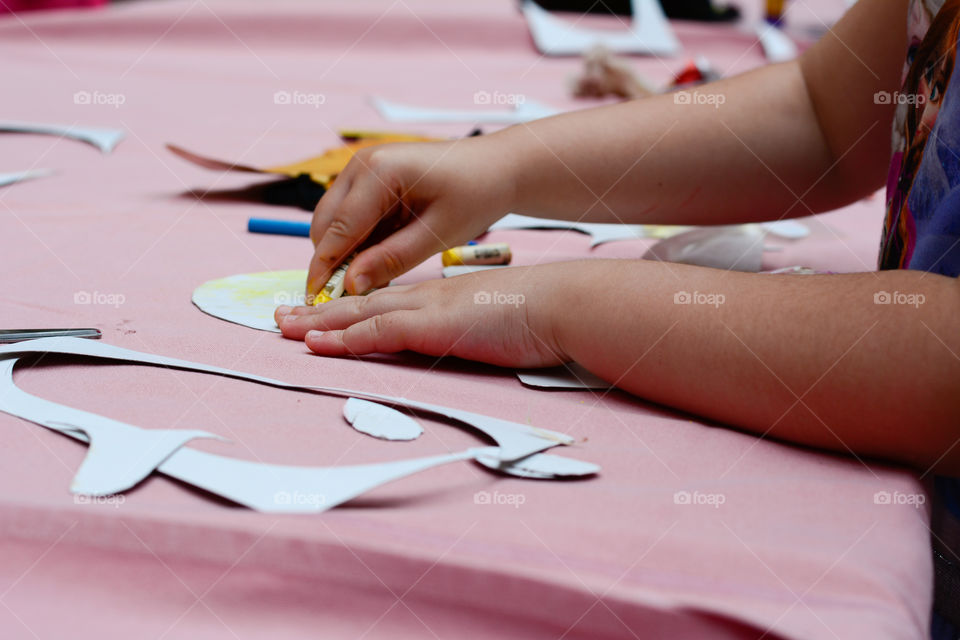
(504, 317)
(412, 200)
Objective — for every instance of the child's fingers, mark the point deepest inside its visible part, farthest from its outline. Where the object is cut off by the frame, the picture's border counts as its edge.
(343, 313)
(328, 205)
(393, 256)
(387, 333)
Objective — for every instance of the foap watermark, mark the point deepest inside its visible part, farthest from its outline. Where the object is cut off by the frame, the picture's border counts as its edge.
(299, 498)
(698, 97)
(498, 297)
(886, 97)
(99, 298)
(898, 297)
(299, 98)
(698, 498)
(898, 497)
(114, 499)
(99, 98)
(697, 297)
(510, 499)
(498, 97)
(293, 299)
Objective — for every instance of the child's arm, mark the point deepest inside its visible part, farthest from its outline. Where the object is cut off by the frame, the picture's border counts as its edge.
(816, 360)
(789, 139)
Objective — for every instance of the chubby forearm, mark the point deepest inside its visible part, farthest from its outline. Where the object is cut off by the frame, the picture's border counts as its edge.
(785, 140)
(813, 360)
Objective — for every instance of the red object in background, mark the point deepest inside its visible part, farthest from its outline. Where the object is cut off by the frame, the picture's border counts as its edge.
(16, 6)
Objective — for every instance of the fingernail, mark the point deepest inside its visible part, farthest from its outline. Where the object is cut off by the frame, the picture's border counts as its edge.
(313, 334)
(361, 283)
(284, 310)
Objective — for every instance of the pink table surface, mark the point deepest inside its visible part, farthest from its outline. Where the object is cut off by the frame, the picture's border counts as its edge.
(798, 548)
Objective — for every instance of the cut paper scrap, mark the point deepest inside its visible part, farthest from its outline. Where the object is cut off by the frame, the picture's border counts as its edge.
(261, 486)
(648, 33)
(380, 421)
(777, 46)
(734, 248)
(18, 176)
(103, 139)
(322, 169)
(570, 376)
(599, 232)
(541, 466)
(521, 112)
(790, 229)
(250, 299)
(120, 456)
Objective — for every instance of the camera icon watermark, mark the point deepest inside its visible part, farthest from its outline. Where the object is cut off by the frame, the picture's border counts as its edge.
(698, 498)
(498, 98)
(114, 500)
(709, 299)
(714, 100)
(314, 100)
(114, 300)
(498, 297)
(115, 100)
(908, 299)
(886, 97)
(514, 500)
(899, 498)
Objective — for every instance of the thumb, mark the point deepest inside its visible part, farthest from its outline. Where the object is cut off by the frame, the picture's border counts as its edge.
(395, 255)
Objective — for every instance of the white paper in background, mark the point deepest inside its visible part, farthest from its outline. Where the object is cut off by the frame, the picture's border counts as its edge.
(790, 229)
(599, 232)
(541, 466)
(251, 298)
(735, 248)
(103, 139)
(380, 421)
(571, 376)
(261, 486)
(522, 112)
(18, 176)
(649, 33)
(777, 46)
(463, 269)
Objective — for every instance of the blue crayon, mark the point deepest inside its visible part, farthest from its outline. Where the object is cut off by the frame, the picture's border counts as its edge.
(280, 227)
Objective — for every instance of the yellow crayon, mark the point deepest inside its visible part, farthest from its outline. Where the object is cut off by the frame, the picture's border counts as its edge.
(477, 254)
(334, 287)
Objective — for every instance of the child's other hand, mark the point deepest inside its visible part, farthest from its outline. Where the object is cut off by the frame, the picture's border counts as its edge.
(408, 202)
(504, 317)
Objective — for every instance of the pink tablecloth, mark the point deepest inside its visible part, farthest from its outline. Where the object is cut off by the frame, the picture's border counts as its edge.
(798, 546)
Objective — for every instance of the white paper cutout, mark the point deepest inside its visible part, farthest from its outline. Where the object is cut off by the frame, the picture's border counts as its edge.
(777, 46)
(18, 176)
(379, 421)
(103, 139)
(522, 112)
(260, 486)
(570, 376)
(120, 456)
(599, 232)
(463, 269)
(649, 32)
(790, 229)
(736, 248)
(542, 466)
(251, 298)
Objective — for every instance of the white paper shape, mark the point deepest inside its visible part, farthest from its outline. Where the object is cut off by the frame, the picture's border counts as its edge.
(777, 46)
(463, 269)
(649, 33)
(251, 298)
(103, 139)
(382, 422)
(599, 232)
(734, 248)
(790, 229)
(542, 466)
(571, 376)
(18, 176)
(522, 112)
(265, 487)
(120, 456)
